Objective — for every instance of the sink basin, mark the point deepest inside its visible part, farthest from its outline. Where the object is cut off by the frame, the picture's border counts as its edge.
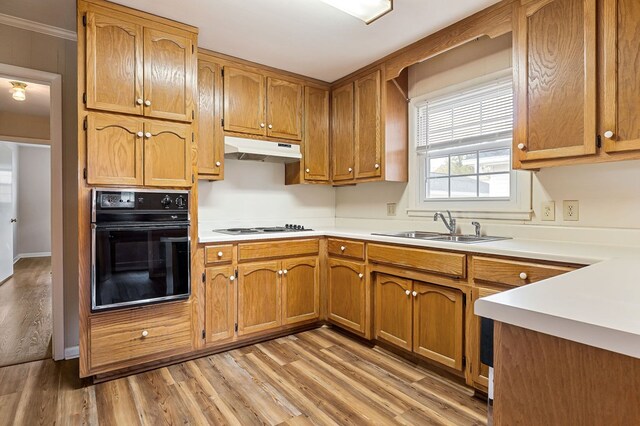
(437, 236)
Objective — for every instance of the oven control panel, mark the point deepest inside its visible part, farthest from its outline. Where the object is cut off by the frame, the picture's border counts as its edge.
(117, 200)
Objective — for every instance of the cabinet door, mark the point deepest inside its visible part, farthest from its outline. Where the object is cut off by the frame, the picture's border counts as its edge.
(284, 109)
(244, 109)
(621, 126)
(114, 150)
(347, 294)
(220, 303)
(479, 371)
(169, 63)
(114, 64)
(316, 134)
(555, 80)
(393, 312)
(258, 297)
(368, 140)
(342, 141)
(210, 137)
(300, 290)
(437, 324)
(167, 154)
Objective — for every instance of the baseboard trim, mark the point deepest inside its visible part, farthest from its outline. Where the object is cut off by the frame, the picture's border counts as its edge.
(72, 352)
(28, 255)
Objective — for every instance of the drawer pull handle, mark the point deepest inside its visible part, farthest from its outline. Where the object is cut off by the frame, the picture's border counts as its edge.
(219, 254)
(523, 275)
(608, 134)
(232, 278)
(407, 292)
(342, 248)
(415, 294)
(360, 275)
(145, 333)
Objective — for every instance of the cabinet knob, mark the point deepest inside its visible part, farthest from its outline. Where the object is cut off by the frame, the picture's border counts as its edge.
(608, 134)
(350, 169)
(139, 101)
(523, 275)
(342, 248)
(377, 166)
(521, 146)
(145, 333)
(218, 164)
(270, 126)
(147, 102)
(219, 254)
(280, 272)
(308, 170)
(232, 278)
(415, 294)
(147, 135)
(140, 134)
(262, 125)
(285, 271)
(407, 292)
(360, 275)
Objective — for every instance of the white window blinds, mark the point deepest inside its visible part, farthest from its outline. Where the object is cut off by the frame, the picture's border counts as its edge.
(482, 114)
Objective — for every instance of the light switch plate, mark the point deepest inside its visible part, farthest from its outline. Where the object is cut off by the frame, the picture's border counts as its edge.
(391, 209)
(549, 211)
(570, 210)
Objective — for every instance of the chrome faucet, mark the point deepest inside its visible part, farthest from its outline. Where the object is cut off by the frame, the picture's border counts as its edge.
(477, 225)
(451, 225)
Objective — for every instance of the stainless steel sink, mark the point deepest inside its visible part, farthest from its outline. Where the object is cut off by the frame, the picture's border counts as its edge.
(437, 236)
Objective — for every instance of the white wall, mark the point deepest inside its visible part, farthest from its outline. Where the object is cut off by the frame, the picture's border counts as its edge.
(609, 194)
(33, 230)
(254, 194)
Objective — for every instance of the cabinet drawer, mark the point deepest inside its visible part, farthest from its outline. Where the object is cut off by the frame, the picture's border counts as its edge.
(512, 272)
(354, 249)
(454, 264)
(271, 249)
(117, 337)
(218, 254)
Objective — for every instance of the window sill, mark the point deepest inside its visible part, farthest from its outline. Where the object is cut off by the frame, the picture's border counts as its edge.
(525, 215)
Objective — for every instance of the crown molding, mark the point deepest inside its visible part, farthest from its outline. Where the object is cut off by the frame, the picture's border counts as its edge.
(25, 24)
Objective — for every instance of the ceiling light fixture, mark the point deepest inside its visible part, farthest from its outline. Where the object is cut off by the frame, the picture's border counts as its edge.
(366, 10)
(19, 90)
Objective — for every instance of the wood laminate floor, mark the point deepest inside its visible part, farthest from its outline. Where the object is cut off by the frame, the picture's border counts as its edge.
(315, 377)
(25, 312)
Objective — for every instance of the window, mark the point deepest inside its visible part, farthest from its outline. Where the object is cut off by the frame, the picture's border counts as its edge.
(464, 144)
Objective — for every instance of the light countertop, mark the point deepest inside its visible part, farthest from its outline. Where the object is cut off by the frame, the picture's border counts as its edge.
(598, 305)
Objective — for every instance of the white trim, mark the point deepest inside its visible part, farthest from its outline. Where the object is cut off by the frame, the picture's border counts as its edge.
(517, 215)
(25, 24)
(29, 255)
(24, 141)
(54, 81)
(72, 352)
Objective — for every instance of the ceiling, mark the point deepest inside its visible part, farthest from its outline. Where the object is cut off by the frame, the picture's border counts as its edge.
(36, 103)
(308, 37)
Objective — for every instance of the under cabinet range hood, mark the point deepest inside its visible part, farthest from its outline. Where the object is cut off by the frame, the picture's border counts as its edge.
(257, 150)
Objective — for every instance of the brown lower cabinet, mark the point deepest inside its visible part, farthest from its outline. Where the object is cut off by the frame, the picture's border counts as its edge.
(276, 293)
(420, 317)
(347, 293)
(220, 313)
(479, 371)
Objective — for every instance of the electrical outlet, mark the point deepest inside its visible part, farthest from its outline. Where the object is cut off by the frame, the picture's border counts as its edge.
(570, 209)
(391, 209)
(549, 211)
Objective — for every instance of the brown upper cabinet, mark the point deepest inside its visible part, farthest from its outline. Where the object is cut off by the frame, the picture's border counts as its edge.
(137, 66)
(210, 134)
(315, 157)
(369, 129)
(621, 112)
(260, 105)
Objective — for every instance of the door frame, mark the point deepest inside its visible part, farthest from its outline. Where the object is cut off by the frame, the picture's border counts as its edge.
(54, 81)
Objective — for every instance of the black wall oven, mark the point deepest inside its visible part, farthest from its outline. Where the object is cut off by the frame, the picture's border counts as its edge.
(140, 247)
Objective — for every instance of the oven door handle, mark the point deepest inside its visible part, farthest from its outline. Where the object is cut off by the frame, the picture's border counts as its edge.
(141, 227)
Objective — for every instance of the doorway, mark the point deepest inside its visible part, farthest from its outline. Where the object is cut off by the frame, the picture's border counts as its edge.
(31, 292)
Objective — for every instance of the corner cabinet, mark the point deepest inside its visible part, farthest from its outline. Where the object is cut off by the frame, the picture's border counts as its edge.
(125, 150)
(136, 66)
(209, 116)
(369, 129)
